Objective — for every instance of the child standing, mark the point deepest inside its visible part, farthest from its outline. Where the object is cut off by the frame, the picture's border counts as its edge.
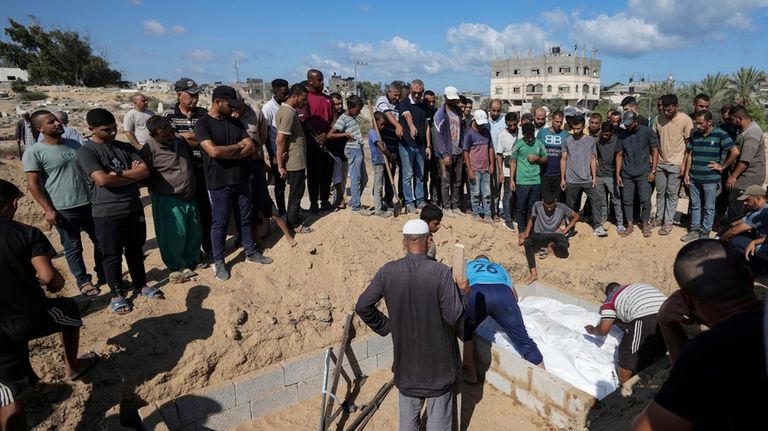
(379, 156)
(346, 127)
(432, 215)
(478, 157)
(525, 175)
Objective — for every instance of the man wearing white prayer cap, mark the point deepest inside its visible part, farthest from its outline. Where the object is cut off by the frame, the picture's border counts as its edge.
(424, 303)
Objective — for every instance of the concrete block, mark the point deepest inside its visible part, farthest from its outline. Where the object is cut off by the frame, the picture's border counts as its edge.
(313, 386)
(559, 419)
(366, 367)
(297, 370)
(378, 344)
(275, 401)
(170, 414)
(256, 385)
(549, 388)
(385, 359)
(499, 382)
(227, 419)
(529, 400)
(578, 403)
(151, 419)
(194, 407)
(513, 366)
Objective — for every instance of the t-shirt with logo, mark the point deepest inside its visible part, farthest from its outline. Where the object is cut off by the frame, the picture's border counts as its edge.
(348, 124)
(553, 142)
(477, 144)
(549, 223)
(454, 121)
(222, 132)
(631, 302)
(527, 173)
(483, 271)
(62, 178)
(705, 149)
(673, 134)
(183, 124)
(115, 157)
(579, 153)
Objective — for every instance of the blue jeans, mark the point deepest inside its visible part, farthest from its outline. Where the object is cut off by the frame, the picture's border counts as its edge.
(525, 196)
(358, 177)
(74, 220)
(236, 200)
(412, 159)
(709, 192)
(481, 193)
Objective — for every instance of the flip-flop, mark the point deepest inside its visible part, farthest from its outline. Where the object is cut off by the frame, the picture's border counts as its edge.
(152, 292)
(88, 289)
(92, 358)
(303, 229)
(121, 306)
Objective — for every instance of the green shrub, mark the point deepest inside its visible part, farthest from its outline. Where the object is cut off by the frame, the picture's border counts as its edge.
(18, 86)
(33, 95)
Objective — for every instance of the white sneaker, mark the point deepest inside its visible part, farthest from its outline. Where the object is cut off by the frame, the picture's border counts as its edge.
(600, 231)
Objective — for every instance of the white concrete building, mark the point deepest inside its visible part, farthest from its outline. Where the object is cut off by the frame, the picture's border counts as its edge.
(155, 86)
(10, 74)
(574, 78)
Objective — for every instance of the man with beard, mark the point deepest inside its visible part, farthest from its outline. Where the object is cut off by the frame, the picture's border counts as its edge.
(414, 146)
(553, 138)
(595, 121)
(750, 169)
(636, 145)
(496, 124)
(318, 117)
(540, 119)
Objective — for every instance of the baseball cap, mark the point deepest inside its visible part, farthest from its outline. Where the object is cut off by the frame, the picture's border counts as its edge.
(480, 117)
(627, 118)
(187, 85)
(570, 111)
(753, 190)
(415, 227)
(451, 93)
(225, 92)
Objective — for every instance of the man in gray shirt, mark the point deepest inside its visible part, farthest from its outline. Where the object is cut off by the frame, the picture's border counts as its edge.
(135, 121)
(750, 169)
(637, 154)
(578, 172)
(424, 303)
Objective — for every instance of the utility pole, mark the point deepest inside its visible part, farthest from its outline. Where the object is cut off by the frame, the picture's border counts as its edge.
(237, 72)
(358, 63)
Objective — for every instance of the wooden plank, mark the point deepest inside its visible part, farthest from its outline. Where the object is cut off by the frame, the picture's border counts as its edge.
(337, 371)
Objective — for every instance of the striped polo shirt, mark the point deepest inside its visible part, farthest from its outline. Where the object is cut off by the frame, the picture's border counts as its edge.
(706, 149)
(631, 302)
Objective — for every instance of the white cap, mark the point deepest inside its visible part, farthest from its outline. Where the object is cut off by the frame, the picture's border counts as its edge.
(451, 93)
(415, 227)
(480, 117)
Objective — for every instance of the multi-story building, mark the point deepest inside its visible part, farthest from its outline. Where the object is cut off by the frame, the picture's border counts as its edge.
(556, 74)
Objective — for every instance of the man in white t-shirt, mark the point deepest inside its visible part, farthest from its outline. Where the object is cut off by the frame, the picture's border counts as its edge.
(135, 121)
(503, 147)
(279, 94)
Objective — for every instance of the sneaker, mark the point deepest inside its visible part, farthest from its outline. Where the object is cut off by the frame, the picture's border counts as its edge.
(510, 225)
(314, 209)
(188, 274)
(176, 277)
(411, 208)
(600, 231)
(420, 205)
(383, 214)
(362, 211)
(220, 271)
(259, 258)
(666, 229)
(690, 236)
(621, 230)
(703, 235)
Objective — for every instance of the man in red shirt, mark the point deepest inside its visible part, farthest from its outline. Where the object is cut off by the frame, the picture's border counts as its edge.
(317, 118)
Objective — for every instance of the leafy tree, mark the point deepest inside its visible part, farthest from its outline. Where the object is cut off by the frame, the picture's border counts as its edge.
(746, 83)
(369, 91)
(55, 56)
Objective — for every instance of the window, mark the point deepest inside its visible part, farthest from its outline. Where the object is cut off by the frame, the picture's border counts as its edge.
(499, 90)
(535, 71)
(549, 69)
(577, 70)
(538, 89)
(498, 73)
(529, 88)
(563, 70)
(595, 73)
(576, 89)
(594, 90)
(11, 78)
(549, 88)
(585, 89)
(516, 72)
(564, 88)
(586, 70)
(516, 90)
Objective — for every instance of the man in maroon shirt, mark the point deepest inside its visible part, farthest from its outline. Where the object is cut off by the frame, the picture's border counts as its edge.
(317, 118)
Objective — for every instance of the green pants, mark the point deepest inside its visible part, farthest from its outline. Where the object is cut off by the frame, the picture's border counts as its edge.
(178, 231)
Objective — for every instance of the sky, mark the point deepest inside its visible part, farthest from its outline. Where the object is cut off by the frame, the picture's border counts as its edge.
(442, 43)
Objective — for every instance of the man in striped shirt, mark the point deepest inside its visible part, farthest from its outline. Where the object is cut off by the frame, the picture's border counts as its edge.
(633, 308)
(702, 172)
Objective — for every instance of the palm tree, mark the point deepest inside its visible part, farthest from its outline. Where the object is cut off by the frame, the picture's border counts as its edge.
(717, 87)
(746, 82)
(647, 102)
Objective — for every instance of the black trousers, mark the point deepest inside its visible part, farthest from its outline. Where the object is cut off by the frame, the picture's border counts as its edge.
(432, 190)
(118, 235)
(204, 208)
(536, 241)
(550, 186)
(319, 175)
(296, 183)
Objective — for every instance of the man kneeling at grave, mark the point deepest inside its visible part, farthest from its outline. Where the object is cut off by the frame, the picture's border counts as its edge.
(492, 295)
(633, 308)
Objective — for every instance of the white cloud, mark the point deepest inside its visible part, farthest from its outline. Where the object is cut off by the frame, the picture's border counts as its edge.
(240, 55)
(476, 44)
(555, 17)
(136, 2)
(396, 56)
(622, 35)
(178, 29)
(200, 55)
(153, 27)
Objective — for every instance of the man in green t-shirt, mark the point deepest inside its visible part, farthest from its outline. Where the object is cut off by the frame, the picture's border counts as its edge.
(525, 162)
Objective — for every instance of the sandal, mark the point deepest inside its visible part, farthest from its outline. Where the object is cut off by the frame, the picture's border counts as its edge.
(646, 228)
(92, 358)
(303, 229)
(629, 230)
(666, 229)
(88, 289)
(152, 292)
(120, 306)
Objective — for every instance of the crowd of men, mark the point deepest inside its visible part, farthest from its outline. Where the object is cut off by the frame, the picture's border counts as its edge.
(529, 173)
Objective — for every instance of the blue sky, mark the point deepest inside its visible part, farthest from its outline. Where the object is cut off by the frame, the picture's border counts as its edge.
(443, 43)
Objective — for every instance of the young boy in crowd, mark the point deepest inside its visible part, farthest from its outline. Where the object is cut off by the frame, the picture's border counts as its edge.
(114, 170)
(346, 127)
(379, 156)
(432, 215)
(480, 161)
(525, 161)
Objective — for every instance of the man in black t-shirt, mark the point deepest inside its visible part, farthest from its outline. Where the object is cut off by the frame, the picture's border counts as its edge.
(718, 379)
(114, 170)
(25, 311)
(226, 149)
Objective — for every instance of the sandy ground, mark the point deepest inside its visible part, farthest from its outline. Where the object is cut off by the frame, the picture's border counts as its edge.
(483, 408)
(208, 331)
